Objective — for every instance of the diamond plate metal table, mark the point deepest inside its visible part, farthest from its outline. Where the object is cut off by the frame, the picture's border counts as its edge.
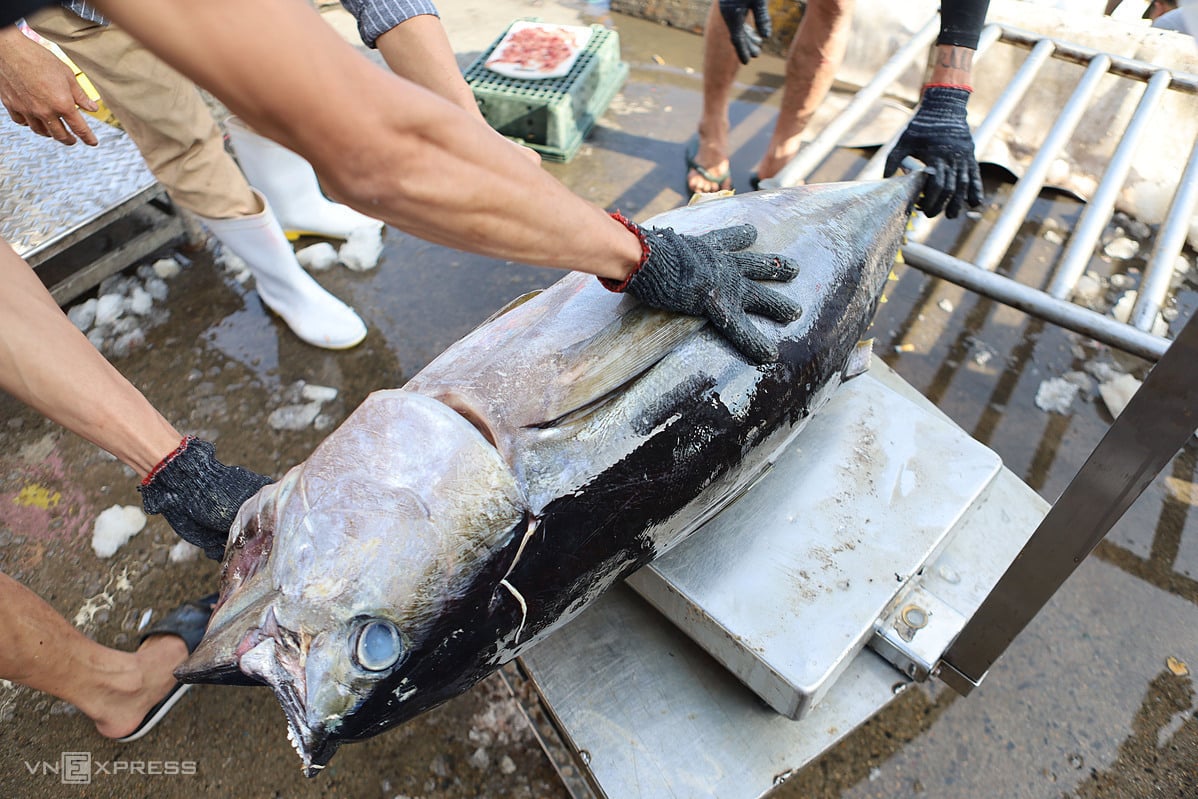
(53, 197)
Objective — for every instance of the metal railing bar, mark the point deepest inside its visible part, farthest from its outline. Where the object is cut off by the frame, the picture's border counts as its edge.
(1033, 301)
(1029, 186)
(1098, 208)
(1169, 240)
(1013, 93)
(1120, 65)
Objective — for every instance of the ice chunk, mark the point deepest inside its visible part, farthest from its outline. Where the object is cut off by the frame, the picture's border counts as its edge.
(1122, 248)
(140, 301)
(318, 257)
(362, 249)
(1101, 370)
(156, 288)
(1117, 392)
(114, 527)
(1088, 289)
(83, 315)
(1122, 309)
(115, 284)
(293, 417)
(183, 551)
(318, 393)
(108, 308)
(234, 264)
(1055, 395)
(127, 342)
(166, 268)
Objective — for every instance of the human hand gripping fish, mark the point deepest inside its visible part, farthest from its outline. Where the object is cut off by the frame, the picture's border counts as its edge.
(711, 276)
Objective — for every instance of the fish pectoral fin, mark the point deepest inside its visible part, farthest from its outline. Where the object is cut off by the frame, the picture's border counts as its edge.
(516, 303)
(615, 356)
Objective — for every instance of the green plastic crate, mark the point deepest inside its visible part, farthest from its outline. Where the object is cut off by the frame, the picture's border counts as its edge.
(552, 115)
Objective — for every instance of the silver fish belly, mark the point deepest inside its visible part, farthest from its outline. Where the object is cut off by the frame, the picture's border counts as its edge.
(445, 527)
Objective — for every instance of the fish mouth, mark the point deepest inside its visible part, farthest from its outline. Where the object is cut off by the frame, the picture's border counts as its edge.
(266, 653)
(312, 742)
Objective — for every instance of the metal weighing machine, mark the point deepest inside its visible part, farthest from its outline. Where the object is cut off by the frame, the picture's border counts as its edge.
(860, 563)
(761, 640)
(793, 617)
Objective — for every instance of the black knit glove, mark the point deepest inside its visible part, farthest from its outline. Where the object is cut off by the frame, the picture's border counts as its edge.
(939, 136)
(710, 276)
(744, 39)
(199, 495)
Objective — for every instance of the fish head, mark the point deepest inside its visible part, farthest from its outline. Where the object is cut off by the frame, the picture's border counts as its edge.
(342, 579)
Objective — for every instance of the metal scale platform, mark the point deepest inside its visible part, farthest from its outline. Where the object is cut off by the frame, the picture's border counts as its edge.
(53, 197)
(775, 611)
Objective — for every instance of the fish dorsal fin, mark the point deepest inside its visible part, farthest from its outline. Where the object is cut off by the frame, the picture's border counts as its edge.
(617, 354)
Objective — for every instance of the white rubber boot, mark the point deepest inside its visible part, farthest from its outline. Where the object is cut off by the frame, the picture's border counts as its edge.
(312, 313)
(290, 184)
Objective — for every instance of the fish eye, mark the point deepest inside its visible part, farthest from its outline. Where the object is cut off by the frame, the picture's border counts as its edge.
(378, 646)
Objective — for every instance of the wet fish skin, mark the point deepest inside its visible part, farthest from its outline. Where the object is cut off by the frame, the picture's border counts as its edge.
(546, 455)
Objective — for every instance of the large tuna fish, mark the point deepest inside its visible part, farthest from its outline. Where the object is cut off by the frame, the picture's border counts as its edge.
(447, 526)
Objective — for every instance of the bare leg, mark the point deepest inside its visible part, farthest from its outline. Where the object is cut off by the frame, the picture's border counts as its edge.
(720, 65)
(811, 63)
(114, 689)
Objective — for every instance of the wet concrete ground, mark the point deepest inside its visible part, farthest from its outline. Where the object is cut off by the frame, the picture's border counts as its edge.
(1095, 699)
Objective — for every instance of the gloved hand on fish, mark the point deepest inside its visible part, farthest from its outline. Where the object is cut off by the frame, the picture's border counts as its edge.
(449, 525)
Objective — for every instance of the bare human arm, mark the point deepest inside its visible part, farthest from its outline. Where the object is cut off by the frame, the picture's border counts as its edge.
(418, 49)
(414, 160)
(49, 365)
(40, 91)
(46, 363)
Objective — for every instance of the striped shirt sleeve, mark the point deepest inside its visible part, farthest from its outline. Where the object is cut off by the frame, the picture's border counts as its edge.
(376, 17)
(86, 11)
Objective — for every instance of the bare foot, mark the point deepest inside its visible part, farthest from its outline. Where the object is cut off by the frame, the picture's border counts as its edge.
(775, 158)
(156, 659)
(712, 157)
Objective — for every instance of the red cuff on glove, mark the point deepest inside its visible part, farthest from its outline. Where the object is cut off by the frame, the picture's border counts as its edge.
(619, 286)
(163, 463)
(946, 86)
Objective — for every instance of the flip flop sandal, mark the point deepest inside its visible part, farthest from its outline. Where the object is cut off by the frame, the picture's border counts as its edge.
(724, 179)
(189, 621)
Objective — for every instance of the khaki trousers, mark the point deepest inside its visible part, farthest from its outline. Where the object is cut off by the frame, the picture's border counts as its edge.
(161, 110)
